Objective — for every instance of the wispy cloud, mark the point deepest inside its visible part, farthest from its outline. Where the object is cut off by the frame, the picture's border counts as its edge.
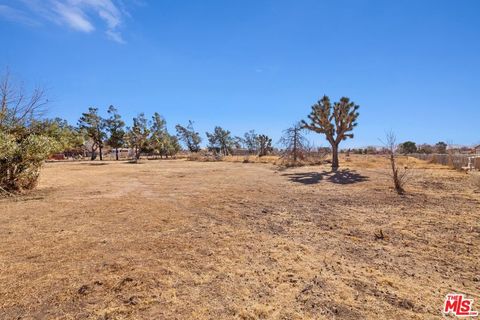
(80, 15)
(15, 15)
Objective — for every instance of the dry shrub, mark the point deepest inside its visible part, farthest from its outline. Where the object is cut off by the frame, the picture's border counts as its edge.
(252, 159)
(476, 181)
(399, 173)
(204, 157)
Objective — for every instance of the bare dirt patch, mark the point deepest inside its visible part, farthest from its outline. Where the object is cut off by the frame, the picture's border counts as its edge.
(217, 240)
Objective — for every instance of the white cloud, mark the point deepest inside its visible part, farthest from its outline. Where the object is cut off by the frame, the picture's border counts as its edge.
(12, 14)
(73, 16)
(80, 15)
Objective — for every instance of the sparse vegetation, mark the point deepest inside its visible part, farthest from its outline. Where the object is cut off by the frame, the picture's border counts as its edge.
(169, 239)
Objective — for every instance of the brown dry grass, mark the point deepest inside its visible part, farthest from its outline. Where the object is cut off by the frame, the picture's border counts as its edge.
(218, 240)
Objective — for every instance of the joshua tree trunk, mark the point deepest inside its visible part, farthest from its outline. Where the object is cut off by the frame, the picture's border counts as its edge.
(335, 163)
(116, 154)
(100, 151)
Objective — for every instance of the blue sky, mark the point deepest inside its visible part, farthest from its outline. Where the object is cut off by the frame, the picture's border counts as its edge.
(413, 66)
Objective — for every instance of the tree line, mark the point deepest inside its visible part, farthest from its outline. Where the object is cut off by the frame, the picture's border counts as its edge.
(152, 136)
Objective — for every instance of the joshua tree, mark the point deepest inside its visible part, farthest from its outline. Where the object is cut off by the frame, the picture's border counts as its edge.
(265, 145)
(250, 139)
(94, 127)
(189, 136)
(115, 126)
(334, 121)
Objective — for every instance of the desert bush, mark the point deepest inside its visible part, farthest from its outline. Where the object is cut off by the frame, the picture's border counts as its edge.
(23, 148)
(21, 160)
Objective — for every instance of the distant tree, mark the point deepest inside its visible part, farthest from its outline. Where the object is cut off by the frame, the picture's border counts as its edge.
(294, 141)
(238, 142)
(173, 146)
(334, 121)
(371, 150)
(407, 147)
(115, 127)
(251, 141)
(220, 141)
(425, 148)
(137, 136)
(265, 145)
(441, 147)
(94, 127)
(66, 136)
(159, 139)
(189, 136)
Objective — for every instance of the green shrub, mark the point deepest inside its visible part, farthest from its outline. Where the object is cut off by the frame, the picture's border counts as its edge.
(21, 160)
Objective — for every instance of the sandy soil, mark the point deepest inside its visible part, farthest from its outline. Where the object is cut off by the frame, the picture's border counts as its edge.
(221, 240)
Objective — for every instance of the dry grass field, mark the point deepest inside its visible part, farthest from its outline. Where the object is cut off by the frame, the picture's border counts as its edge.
(223, 240)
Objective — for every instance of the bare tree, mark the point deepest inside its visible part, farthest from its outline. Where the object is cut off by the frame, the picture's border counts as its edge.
(334, 121)
(294, 141)
(399, 176)
(17, 107)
